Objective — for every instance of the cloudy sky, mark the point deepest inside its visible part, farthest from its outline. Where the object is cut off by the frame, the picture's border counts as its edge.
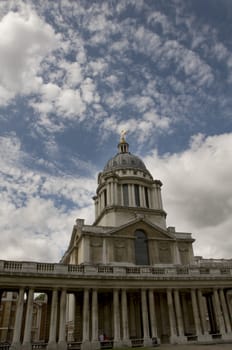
(75, 73)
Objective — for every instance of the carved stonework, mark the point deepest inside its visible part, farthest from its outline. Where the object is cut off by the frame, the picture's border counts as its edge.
(164, 252)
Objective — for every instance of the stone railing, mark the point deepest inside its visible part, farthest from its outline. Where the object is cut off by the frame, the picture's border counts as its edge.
(38, 269)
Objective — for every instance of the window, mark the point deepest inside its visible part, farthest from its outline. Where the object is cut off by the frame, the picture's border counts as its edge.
(141, 248)
(125, 195)
(137, 197)
(105, 197)
(146, 197)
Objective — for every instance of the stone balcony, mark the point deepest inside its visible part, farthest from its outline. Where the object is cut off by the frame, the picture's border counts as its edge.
(203, 269)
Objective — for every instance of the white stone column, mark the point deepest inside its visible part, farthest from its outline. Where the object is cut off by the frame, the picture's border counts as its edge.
(86, 316)
(152, 197)
(225, 311)
(179, 318)
(28, 322)
(62, 345)
(95, 317)
(115, 193)
(159, 197)
(146, 337)
(53, 322)
(130, 195)
(202, 313)
(141, 195)
(108, 191)
(152, 315)
(116, 318)
(125, 325)
(112, 193)
(173, 335)
(218, 311)
(18, 321)
(196, 316)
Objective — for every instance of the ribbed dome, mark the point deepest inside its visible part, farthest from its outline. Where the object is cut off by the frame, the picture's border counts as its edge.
(125, 161)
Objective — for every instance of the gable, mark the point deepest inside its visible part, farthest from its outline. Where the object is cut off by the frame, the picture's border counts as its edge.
(151, 231)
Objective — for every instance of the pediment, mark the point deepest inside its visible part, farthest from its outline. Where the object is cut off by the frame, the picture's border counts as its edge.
(152, 231)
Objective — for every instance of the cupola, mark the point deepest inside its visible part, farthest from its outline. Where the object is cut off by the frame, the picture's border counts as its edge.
(126, 189)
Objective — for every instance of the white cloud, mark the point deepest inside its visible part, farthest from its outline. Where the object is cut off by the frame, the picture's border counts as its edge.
(34, 225)
(197, 192)
(24, 41)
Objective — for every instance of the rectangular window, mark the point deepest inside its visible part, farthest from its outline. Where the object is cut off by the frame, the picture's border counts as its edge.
(137, 197)
(125, 195)
(146, 197)
(105, 197)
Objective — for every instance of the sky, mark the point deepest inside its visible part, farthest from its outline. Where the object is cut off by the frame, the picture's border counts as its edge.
(73, 74)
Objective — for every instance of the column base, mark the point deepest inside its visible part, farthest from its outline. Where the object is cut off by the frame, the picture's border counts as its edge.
(95, 345)
(155, 341)
(52, 345)
(204, 338)
(62, 345)
(117, 344)
(86, 345)
(15, 346)
(147, 342)
(126, 343)
(227, 336)
(181, 339)
(26, 346)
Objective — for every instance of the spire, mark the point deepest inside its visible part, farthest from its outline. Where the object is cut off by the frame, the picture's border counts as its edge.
(123, 146)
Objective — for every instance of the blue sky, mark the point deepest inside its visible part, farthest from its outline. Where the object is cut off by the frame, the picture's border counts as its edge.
(73, 74)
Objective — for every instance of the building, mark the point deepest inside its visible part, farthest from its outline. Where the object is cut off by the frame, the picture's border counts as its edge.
(126, 280)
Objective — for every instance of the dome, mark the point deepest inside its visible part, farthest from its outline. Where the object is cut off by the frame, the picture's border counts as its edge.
(125, 161)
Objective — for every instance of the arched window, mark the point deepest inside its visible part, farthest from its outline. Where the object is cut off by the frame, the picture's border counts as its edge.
(141, 248)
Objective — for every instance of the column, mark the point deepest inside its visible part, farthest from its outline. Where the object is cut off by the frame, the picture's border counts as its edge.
(179, 318)
(125, 325)
(202, 313)
(116, 317)
(152, 314)
(141, 195)
(171, 317)
(53, 322)
(86, 316)
(152, 197)
(18, 321)
(225, 311)
(28, 323)
(108, 191)
(146, 336)
(112, 193)
(196, 317)
(115, 193)
(62, 345)
(130, 195)
(218, 312)
(94, 316)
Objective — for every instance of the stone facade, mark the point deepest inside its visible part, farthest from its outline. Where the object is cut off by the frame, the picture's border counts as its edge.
(126, 280)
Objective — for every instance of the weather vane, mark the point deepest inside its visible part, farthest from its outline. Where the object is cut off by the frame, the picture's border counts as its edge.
(123, 134)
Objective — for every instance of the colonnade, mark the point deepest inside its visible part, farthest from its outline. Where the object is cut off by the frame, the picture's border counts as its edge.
(128, 316)
(112, 194)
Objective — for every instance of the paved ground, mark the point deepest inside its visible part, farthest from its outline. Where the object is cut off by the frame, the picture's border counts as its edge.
(196, 347)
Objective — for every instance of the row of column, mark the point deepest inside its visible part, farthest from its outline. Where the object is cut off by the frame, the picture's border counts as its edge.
(121, 335)
(210, 311)
(211, 314)
(56, 310)
(112, 197)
